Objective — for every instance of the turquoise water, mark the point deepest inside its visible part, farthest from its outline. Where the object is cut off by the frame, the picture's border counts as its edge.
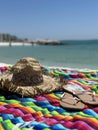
(74, 54)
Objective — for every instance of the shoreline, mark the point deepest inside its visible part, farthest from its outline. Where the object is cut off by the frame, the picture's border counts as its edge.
(60, 68)
(32, 43)
(15, 44)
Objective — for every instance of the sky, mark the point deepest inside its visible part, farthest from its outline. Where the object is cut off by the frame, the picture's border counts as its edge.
(50, 19)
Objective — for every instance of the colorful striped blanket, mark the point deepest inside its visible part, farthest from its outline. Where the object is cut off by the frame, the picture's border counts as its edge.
(44, 112)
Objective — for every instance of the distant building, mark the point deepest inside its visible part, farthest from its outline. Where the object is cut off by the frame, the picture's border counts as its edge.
(9, 38)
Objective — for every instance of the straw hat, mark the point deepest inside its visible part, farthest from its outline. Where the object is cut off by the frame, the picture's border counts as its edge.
(26, 78)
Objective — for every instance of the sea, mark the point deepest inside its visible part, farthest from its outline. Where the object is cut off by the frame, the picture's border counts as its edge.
(73, 54)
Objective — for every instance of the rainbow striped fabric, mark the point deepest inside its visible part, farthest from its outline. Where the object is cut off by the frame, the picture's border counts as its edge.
(44, 112)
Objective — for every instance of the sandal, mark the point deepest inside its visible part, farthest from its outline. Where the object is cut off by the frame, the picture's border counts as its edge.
(86, 96)
(70, 102)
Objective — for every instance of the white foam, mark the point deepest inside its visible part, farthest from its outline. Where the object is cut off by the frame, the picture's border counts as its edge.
(58, 67)
(4, 64)
(73, 69)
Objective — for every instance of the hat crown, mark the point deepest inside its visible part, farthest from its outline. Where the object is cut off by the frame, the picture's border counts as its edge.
(27, 72)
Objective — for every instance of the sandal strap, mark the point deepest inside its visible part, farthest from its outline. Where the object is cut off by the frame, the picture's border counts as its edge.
(74, 98)
(92, 93)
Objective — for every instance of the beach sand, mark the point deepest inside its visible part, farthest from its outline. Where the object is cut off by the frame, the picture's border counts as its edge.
(15, 44)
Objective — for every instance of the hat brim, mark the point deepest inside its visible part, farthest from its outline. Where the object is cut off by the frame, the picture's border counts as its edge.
(48, 85)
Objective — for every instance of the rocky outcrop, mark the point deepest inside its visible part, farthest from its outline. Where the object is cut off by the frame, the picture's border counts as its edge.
(46, 42)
